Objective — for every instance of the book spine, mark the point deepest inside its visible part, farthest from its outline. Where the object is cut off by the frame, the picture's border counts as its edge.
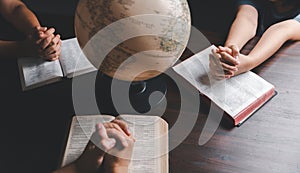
(247, 112)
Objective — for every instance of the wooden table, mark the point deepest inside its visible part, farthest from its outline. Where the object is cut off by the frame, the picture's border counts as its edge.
(34, 124)
(268, 142)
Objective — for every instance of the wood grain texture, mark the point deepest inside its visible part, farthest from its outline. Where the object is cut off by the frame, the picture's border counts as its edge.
(268, 142)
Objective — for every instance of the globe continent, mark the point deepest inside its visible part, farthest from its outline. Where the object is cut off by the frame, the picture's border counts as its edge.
(148, 36)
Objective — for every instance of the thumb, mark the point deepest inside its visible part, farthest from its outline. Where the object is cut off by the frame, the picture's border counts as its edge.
(235, 51)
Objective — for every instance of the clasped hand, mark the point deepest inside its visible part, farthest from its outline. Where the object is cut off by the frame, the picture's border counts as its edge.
(224, 62)
(44, 43)
(109, 149)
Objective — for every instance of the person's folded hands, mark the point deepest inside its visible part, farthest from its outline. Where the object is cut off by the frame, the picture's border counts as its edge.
(224, 62)
(109, 149)
(47, 45)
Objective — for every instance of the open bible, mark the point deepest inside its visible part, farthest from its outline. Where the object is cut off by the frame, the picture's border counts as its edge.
(35, 72)
(150, 151)
(239, 96)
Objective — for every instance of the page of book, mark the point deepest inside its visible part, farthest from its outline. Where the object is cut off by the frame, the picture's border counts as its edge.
(148, 152)
(37, 71)
(72, 59)
(232, 95)
(81, 129)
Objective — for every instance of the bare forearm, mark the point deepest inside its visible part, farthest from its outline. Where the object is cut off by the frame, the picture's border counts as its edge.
(244, 27)
(239, 33)
(16, 12)
(273, 39)
(24, 19)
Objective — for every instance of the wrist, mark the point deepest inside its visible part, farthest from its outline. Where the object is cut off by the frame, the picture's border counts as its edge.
(246, 64)
(250, 63)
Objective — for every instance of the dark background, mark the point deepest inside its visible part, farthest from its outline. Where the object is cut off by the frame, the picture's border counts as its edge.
(214, 15)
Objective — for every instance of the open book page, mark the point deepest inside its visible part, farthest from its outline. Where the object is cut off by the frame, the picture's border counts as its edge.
(82, 128)
(37, 71)
(72, 59)
(232, 95)
(148, 148)
(150, 153)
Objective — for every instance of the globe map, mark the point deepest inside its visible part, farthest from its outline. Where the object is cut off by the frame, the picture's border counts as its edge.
(147, 36)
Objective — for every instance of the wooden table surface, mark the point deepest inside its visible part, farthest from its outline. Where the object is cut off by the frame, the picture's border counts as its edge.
(34, 124)
(268, 142)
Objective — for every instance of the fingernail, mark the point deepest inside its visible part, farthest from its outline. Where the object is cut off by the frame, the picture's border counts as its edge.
(236, 57)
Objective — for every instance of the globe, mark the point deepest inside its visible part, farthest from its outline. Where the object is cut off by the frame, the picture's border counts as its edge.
(132, 40)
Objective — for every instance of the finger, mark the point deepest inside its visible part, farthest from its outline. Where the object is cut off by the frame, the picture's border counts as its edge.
(219, 76)
(221, 68)
(228, 76)
(227, 58)
(216, 71)
(124, 126)
(216, 54)
(46, 41)
(235, 51)
(113, 126)
(35, 32)
(43, 35)
(227, 67)
(105, 142)
(40, 28)
(52, 59)
(119, 136)
(216, 61)
(225, 49)
(56, 39)
(48, 32)
(99, 143)
(52, 49)
(53, 56)
(214, 66)
(223, 75)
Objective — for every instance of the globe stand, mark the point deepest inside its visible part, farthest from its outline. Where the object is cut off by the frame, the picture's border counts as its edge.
(139, 94)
